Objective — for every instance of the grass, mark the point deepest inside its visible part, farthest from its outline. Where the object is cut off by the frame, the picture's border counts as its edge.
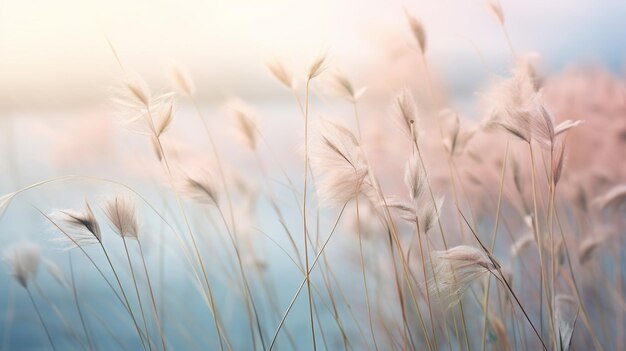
(389, 281)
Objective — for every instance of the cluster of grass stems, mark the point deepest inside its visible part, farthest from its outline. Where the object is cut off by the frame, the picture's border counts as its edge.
(428, 271)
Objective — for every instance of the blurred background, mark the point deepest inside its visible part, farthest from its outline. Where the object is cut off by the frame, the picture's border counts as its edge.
(55, 55)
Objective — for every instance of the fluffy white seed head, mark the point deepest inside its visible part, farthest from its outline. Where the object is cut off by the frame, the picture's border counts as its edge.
(122, 216)
(339, 160)
(140, 111)
(23, 259)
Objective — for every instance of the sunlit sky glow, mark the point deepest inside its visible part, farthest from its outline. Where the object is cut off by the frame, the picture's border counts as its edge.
(55, 52)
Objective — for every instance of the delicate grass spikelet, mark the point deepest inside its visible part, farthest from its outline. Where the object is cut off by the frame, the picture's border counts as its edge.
(141, 112)
(498, 332)
(565, 314)
(338, 159)
(154, 142)
(531, 121)
(417, 29)
(540, 122)
(404, 112)
(4, 202)
(338, 85)
(56, 273)
(613, 199)
(458, 137)
(509, 95)
(246, 122)
(414, 177)
(281, 73)
(137, 90)
(165, 118)
(316, 67)
(406, 210)
(122, 216)
(588, 246)
(182, 80)
(520, 244)
(199, 188)
(79, 228)
(424, 214)
(496, 10)
(455, 269)
(428, 214)
(565, 126)
(542, 125)
(23, 259)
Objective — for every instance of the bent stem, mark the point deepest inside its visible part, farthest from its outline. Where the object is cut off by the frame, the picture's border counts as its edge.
(502, 278)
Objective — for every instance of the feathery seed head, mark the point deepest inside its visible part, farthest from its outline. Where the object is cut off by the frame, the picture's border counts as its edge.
(182, 80)
(404, 112)
(200, 188)
(338, 85)
(122, 216)
(414, 177)
(565, 314)
(4, 202)
(281, 73)
(23, 259)
(496, 11)
(317, 67)
(417, 29)
(455, 269)
(78, 228)
(338, 158)
(246, 122)
(138, 89)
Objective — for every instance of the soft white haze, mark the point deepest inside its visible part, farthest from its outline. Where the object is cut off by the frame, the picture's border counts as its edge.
(54, 53)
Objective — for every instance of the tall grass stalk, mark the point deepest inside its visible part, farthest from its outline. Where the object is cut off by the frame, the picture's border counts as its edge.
(134, 278)
(304, 207)
(493, 244)
(79, 310)
(43, 324)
